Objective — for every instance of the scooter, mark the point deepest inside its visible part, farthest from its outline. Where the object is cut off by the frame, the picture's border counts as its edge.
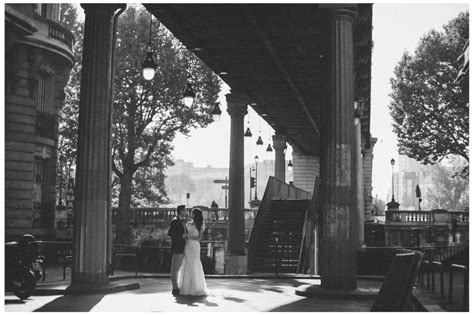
(23, 266)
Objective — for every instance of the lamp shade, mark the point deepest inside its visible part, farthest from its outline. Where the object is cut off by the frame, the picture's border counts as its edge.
(149, 67)
(248, 133)
(259, 141)
(290, 165)
(269, 148)
(188, 95)
(392, 161)
(216, 112)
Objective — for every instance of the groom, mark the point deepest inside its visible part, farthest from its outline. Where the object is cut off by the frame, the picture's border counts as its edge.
(176, 232)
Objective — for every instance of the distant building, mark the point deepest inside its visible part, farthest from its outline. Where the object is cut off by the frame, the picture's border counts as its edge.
(199, 182)
(411, 173)
(38, 60)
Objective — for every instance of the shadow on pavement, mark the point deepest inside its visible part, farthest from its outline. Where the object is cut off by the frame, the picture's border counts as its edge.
(79, 303)
(194, 300)
(14, 301)
(326, 305)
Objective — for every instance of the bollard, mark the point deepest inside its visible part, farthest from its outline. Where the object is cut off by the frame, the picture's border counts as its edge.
(439, 266)
(276, 256)
(428, 280)
(423, 277)
(450, 289)
(432, 269)
(67, 259)
(465, 299)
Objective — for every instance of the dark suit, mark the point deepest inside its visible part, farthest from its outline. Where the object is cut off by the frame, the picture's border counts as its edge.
(176, 232)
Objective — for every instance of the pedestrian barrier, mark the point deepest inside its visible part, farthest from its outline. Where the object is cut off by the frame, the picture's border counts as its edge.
(430, 268)
(147, 258)
(465, 270)
(135, 259)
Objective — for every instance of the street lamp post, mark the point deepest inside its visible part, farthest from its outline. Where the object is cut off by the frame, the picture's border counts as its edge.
(392, 161)
(256, 161)
(393, 205)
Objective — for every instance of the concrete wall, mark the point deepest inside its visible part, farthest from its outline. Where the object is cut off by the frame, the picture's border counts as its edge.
(305, 170)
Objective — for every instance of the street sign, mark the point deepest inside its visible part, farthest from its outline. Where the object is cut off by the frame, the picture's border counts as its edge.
(225, 187)
(221, 181)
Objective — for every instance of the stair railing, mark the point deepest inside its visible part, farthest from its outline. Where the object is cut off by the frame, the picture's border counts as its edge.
(275, 190)
(308, 227)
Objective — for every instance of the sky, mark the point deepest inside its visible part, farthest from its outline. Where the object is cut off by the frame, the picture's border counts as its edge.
(396, 27)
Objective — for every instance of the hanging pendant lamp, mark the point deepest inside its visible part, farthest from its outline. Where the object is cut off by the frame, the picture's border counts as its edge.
(149, 64)
(216, 112)
(248, 133)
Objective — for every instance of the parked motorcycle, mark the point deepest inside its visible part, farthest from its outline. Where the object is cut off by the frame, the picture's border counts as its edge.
(23, 265)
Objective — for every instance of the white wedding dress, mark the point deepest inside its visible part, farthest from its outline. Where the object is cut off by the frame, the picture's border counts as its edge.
(191, 279)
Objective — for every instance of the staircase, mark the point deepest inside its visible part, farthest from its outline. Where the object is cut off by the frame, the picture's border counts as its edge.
(277, 245)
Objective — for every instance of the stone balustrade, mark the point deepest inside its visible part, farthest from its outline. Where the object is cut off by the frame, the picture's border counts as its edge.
(151, 215)
(420, 217)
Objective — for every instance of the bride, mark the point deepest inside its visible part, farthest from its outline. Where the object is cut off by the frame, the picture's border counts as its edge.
(191, 279)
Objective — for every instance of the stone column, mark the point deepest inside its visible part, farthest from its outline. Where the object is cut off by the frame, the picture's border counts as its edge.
(338, 202)
(91, 241)
(367, 161)
(279, 144)
(359, 178)
(235, 259)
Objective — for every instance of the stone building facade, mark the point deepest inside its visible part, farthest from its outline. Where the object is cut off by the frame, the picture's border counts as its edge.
(38, 60)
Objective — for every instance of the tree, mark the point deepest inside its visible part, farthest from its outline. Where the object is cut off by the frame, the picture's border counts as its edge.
(448, 192)
(149, 114)
(69, 112)
(430, 113)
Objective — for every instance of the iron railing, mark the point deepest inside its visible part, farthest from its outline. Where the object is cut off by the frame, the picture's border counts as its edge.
(275, 189)
(149, 259)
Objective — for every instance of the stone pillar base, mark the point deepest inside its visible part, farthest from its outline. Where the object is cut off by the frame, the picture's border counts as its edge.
(235, 264)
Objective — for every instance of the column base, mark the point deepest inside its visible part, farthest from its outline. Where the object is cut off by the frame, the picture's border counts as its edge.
(235, 264)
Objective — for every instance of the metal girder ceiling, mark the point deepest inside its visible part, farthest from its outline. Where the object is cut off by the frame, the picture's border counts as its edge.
(275, 53)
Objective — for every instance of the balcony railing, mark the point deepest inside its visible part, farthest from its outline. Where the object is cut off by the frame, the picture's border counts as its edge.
(44, 125)
(407, 216)
(58, 32)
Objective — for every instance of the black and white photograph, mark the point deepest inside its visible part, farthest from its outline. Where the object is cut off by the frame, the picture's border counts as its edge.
(235, 156)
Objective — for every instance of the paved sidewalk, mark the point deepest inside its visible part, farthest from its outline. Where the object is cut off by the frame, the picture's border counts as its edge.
(227, 294)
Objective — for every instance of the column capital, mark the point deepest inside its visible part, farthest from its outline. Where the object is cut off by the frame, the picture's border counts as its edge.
(340, 11)
(369, 146)
(236, 104)
(279, 142)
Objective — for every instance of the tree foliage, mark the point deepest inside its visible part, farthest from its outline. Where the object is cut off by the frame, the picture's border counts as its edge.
(149, 114)
(69, 112)
(448, 192)
(430, 113)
